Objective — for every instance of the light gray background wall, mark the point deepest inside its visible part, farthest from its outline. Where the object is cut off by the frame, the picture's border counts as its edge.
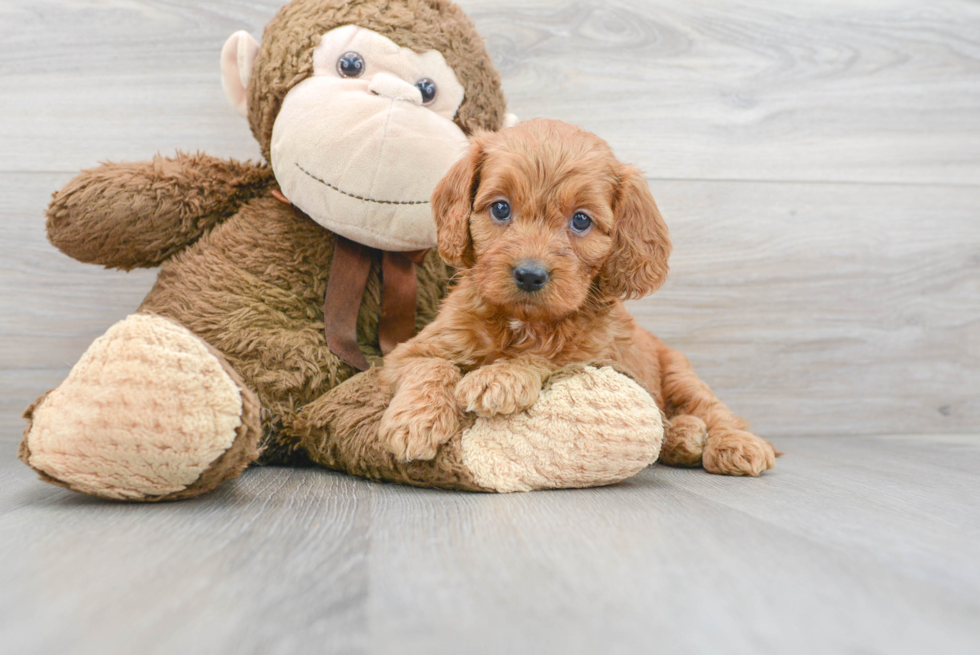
(818, 163)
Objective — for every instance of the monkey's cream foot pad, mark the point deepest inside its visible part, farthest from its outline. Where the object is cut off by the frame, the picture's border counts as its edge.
(150, 412)
(590, 427)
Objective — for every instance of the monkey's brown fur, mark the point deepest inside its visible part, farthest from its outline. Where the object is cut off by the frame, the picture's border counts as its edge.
(241, 270)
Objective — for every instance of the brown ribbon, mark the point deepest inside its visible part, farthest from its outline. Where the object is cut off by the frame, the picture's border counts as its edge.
(349, 273)
(398, 291)
(345, 288)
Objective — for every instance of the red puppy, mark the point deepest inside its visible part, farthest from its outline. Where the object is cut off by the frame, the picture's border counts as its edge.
(550, 233)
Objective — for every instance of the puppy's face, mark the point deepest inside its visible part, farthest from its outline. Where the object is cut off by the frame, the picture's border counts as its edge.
(541, 222)
(543, 216)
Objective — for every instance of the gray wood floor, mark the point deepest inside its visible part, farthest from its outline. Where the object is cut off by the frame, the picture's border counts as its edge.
(853, 545)
(818, 163)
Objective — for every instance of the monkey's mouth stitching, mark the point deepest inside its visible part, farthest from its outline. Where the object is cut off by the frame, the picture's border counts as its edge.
(356, 197)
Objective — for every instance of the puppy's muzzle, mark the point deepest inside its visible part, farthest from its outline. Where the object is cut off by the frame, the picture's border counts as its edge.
(530, 276)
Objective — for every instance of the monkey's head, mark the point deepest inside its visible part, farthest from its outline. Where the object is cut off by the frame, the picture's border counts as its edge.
(361, 106)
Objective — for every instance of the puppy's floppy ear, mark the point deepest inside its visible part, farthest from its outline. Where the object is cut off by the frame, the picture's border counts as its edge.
(452, 203)
(641, 245)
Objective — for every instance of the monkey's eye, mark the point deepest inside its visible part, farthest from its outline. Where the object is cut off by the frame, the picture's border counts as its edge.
(428, 89)
(581, 223)
(350, 64)
(500, 211)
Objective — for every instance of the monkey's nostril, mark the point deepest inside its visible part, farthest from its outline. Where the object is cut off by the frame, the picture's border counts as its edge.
(530, 276)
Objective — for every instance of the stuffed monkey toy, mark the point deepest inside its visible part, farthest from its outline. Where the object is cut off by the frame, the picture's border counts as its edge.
(280, 281)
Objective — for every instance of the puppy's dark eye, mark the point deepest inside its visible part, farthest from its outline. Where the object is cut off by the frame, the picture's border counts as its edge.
(581, 222)
(350, 64)
(428, 89)
(500, 210)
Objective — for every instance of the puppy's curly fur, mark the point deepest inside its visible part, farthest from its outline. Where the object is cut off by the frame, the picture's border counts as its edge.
(495, 339)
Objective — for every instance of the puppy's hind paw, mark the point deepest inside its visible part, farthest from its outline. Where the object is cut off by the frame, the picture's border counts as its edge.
(684, 440)
(737, 452)
(499, 388)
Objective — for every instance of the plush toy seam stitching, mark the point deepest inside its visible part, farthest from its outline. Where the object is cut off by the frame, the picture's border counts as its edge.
(356, 197)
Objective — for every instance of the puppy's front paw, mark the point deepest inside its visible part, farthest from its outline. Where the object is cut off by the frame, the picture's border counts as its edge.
(499, 388)
(737, 452)
(413, 427)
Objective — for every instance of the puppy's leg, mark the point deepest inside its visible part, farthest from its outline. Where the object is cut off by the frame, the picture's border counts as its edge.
(729, 449)
(506, 386)
(423, 414)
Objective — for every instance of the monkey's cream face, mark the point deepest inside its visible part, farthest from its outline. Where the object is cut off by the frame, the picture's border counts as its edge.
(360, 145)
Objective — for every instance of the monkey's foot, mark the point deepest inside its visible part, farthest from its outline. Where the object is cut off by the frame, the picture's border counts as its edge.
(589, 427)
(150, 412)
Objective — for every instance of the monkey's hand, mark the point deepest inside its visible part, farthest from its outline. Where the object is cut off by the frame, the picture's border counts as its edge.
(138, 215)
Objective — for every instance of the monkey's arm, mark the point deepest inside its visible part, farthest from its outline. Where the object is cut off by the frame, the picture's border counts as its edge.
(138, 215)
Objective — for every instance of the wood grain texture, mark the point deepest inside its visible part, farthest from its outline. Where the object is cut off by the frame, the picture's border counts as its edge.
(827, 308)
(880, 91)
(817, 163)
(866, 545)
(883, 91)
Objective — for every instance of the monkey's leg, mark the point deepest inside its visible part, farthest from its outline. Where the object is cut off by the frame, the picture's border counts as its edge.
(150, 412)
(727, 448)
(590, 426)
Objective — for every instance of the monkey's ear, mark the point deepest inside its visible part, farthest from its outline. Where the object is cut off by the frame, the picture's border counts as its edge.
(452, 204)
(641, 245)
(237, 57)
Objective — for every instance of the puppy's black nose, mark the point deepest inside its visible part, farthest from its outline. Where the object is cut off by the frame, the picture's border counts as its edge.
(530, 276)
